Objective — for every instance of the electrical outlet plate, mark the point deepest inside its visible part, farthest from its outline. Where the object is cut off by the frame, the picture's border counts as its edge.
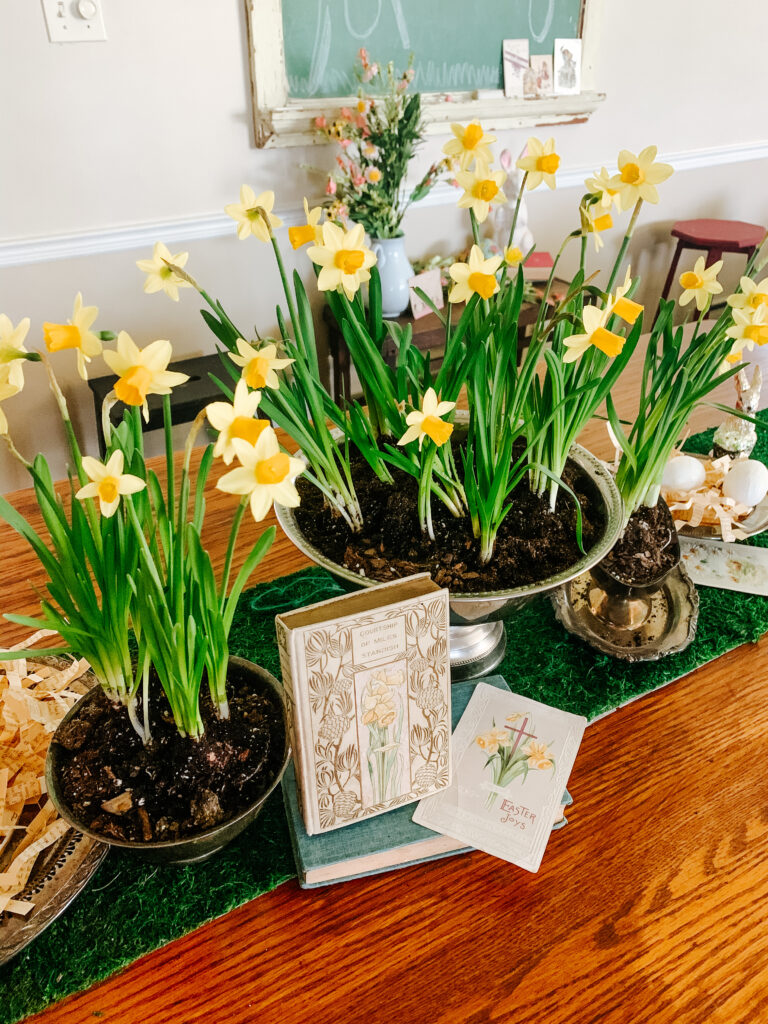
(74, 21)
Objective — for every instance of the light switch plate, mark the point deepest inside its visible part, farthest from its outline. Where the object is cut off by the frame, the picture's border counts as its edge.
(74, 21)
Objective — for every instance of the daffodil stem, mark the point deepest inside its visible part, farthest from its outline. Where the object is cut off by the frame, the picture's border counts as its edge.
(168, 432)
(624, 245)
(61, 402)
(16, 453)
(286, 291)
(194, 430)
(236, 521)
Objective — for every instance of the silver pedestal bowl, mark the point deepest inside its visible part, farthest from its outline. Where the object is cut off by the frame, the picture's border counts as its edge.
(478, 639)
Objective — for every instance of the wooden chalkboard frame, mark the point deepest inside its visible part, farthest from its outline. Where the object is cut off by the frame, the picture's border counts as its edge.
(282, 121)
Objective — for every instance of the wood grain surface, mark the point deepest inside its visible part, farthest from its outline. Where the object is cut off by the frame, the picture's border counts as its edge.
(648, 907)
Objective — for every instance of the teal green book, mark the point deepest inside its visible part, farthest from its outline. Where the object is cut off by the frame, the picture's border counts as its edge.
(382, 843)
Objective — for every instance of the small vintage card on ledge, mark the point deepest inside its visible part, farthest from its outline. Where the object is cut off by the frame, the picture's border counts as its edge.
(367, 682)
(511, 760)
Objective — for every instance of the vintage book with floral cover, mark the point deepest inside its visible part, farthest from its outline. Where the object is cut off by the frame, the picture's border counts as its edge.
(382, 843)
(367, 680)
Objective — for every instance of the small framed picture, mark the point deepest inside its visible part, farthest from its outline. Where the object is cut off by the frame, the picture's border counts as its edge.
(429, 282)
(541, 66)
(567, 73)
(515, 58)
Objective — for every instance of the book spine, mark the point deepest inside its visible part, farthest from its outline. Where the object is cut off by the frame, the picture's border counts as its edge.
(286, 643)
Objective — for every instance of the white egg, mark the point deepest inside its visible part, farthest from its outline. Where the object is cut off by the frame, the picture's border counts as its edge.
(747, 482)
(683, 473)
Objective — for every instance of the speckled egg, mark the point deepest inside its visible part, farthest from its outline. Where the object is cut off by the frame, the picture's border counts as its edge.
(747, 482)
(683, 473)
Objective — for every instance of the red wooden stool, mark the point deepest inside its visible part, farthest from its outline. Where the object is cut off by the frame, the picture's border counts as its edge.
(714, 237)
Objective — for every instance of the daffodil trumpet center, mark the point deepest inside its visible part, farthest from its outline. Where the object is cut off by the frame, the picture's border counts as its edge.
(108, 490)
(631, 174)
(548, 163)
(301, 235)
(758, 299)
(256, 373)
(272, 470)
(485, 190)
(437, 429)
(691, 280)
(247, 428)
(627, 309)
(60, 336)
(757, 333)
(472, 136)
(607, 341)
(602, 223)
(483, 284)
(133, 386)
(349, 261)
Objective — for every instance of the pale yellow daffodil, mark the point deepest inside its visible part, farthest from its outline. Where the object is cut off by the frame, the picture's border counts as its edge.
(311, 231)
(602, 185)
(751, 294)
(700, 284)
(142, 372)
(160, 277)
(427, 421)
(248, 214)
(540, 163)
(259, 364)
(477, 277)
(595, 222)
(750, 328)
(638, 177)
(108, 482)
(265, 474)
(11, 345)
(595, 333)
(482, 187)
(468, 144)
(539, 755)
(77, 334)
(6, 391)
(344, 259)
(235, 421)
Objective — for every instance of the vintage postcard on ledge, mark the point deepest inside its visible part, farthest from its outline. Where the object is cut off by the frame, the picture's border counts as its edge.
(511, 760)
(367, 681)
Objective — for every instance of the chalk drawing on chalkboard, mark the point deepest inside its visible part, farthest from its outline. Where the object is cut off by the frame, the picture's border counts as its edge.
(567, 67)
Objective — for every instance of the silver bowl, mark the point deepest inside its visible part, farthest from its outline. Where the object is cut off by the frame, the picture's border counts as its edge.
(478, 639)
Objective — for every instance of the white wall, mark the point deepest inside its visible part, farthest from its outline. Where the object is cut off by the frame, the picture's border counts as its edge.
(152, 129)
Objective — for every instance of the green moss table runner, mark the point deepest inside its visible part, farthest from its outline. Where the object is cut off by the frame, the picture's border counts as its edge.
(132, 908)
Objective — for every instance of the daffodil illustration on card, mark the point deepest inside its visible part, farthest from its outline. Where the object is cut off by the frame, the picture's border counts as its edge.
(511, 760)
(368, 686)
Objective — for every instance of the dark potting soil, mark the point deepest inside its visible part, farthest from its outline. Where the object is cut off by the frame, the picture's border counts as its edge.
(532, 544)
(648, 549)
(176, 786)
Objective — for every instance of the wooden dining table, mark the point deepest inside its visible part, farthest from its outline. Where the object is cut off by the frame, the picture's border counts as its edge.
(651, 906)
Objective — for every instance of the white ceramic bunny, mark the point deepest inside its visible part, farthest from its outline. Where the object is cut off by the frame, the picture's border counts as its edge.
(736, 436)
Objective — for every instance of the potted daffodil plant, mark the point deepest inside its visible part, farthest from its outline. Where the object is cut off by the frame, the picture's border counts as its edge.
(177, 748)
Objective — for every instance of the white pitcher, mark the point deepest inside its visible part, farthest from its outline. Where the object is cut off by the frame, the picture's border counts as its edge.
(395, 272)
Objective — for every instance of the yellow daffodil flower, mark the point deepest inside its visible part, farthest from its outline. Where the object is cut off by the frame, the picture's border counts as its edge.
(596, 334)
(596, 224)
(602, 185)
(538, 755)
(259, 365)
(160, 277)
(734, 356)
(427, 421)
(540, 162)
(751, 295)
(513, 256)
(476, 277)
(11, 344)
(6, 391)
(265, 474)
(108, 482)
(700, 284)
(235, 421)
(142, 372)
(344, 259)
(248, 214)
(77, 334)
(750, 328)
(638, 177)
(470, 143)
(311, 231)
(482, 187)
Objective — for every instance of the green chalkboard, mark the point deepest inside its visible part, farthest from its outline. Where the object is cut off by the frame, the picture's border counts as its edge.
(456, 44)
